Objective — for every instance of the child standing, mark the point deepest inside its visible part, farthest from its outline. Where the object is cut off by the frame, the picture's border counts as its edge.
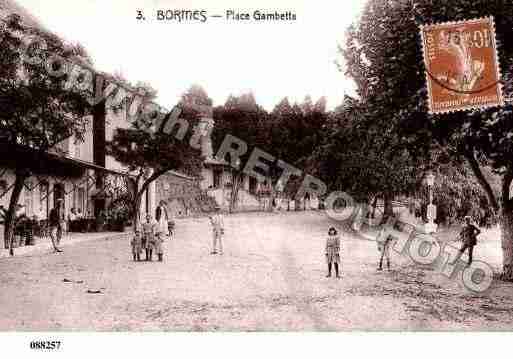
(136, 243)
(384, 241)
(149, 236)
(158, 246)
(333, 251)
(217, 222)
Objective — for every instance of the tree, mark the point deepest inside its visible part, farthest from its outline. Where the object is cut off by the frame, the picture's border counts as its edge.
(150, 152)
(384, 56)
(38, 112)
(365, 157)
(241, 117)
(296, 132)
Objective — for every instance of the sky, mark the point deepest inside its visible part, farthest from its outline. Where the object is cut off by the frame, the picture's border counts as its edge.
(270, 59)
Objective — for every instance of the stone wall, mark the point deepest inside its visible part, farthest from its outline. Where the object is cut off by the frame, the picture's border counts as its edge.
(183, 196)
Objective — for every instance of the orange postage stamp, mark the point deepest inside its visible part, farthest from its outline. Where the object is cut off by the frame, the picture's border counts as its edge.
(462, 68)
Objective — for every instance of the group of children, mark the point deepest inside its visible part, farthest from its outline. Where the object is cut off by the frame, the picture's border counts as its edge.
(152, 237)
(150, 240)
(384, 241)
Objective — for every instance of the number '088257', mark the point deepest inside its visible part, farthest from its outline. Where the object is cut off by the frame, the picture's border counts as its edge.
(45, 345)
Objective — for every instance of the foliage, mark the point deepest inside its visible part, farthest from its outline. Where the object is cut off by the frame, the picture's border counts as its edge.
(121, 210)
(362, 155)
(289, 133)
(384, 56)
(39, 110)
(149, 153)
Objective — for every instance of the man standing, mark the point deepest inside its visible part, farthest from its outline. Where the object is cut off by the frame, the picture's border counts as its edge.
(217, 222)
(56, 226)
(468, 235)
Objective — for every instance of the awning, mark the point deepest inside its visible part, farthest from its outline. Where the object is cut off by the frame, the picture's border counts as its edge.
(49, 163)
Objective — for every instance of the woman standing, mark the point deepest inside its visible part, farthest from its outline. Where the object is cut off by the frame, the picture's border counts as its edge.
(161, 217)
(333, 251)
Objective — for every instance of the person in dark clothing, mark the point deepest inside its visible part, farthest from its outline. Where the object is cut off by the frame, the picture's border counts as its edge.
(468, 235)
(55, 226)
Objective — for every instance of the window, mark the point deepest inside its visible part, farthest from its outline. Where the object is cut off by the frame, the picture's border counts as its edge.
(252, 185)
(77, 150)
(79, 205)
(43, 198)
(58, 193)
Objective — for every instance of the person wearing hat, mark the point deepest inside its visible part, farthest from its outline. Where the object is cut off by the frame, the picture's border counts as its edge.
(217, 222)
(468, 236)
(333, 251)
(55, 225)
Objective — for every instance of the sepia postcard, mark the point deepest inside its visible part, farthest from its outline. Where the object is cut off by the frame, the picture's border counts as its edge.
(169, 167)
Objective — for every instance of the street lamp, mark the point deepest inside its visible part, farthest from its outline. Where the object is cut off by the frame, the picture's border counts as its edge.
(431, 226)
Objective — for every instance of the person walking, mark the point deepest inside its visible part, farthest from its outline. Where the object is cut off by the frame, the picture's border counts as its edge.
(217, 222)
(333, 251)
(384, 242)
(468, 236)
(55, 225)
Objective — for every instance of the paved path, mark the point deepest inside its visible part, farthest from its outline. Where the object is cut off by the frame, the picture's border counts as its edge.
(271, 277)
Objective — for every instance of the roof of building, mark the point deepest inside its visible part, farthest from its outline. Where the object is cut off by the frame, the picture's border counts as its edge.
(181, 175)
(215, 162)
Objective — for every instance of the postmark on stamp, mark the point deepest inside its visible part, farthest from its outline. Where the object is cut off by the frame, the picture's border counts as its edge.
(461, 65)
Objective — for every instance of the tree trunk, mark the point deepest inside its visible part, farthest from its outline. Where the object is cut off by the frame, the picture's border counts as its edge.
(506, 224)
(234, 195)
(271, 200)
(136, 208)
(389, 208)
(374, 205)
(21, 176)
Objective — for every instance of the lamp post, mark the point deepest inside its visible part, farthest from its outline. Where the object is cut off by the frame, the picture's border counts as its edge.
(431, 226)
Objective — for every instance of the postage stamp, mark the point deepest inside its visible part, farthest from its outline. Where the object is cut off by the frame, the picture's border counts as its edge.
(461, 65)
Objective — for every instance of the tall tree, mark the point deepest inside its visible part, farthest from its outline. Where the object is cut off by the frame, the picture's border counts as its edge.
(38, 112)
(364, 157)
(296, 132)
(241, 117)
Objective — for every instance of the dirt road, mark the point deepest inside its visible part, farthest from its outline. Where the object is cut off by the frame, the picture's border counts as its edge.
(271, 277)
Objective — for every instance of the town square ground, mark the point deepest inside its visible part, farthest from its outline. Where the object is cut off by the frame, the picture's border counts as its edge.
(271, 277)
